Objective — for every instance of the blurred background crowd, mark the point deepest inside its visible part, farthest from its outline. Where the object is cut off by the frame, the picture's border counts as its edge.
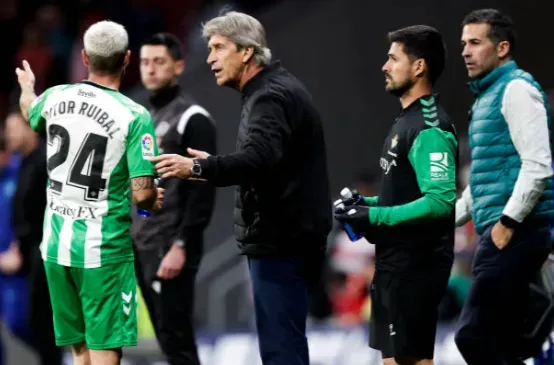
(337, 48)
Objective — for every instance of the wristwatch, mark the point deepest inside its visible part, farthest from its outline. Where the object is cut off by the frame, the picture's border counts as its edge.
(195, 169)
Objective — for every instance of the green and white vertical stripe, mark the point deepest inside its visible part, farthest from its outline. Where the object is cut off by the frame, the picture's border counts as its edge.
(69, 242)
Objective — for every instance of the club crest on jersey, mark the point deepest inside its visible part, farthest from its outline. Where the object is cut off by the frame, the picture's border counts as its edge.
(147, 146)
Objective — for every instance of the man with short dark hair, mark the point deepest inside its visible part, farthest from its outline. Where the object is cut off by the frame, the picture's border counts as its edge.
(411, 222)
(509, 196)
(169, 243)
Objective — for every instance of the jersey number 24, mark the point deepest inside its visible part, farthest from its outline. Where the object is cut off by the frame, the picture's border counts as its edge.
(93, 144)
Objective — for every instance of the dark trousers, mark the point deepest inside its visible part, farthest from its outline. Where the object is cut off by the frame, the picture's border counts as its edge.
(170, 304)
(281, 299)
(493, 315)
(41, 320)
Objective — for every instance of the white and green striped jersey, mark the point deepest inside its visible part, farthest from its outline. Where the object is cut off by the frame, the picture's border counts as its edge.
(98, 140)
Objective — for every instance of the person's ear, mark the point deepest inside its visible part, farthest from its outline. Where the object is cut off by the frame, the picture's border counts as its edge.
(420, 66)
(84, 57)
(503, 49)
(247, 54)
(179, 67)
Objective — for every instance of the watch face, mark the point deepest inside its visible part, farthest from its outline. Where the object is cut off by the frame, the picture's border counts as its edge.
(196, 169)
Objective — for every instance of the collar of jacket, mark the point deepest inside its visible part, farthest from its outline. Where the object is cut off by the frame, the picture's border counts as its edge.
(164, 96)
(258, 80)
(478, 86)
(418, 103)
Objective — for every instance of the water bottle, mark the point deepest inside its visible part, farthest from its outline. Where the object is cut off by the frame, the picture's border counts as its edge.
(143, 212)
(348, 194)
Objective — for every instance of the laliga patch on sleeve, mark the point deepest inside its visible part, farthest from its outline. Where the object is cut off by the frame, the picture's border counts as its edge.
(439, 165)
(147, 146)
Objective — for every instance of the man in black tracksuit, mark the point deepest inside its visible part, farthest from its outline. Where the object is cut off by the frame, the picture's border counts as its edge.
(169, 243)
(283, 210)
(411, 222)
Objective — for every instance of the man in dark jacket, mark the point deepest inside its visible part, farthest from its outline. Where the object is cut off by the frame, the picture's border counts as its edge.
(169, 243)
(283, 209)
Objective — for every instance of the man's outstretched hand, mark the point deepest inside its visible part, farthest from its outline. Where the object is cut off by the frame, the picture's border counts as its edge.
(173, 165)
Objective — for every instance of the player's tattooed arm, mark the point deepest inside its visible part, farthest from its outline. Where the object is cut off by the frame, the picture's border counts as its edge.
(142, 183)
(144, 192)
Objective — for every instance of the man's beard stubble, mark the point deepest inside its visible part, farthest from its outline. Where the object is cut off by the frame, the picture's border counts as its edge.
(401, 89)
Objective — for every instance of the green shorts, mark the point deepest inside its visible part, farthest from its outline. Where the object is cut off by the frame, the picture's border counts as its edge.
(96, 306)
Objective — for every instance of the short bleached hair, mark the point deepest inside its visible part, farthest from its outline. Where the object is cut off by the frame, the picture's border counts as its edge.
(106, 44)
(243, 30)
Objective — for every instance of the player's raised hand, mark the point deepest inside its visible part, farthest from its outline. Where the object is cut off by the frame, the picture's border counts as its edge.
(25, 76)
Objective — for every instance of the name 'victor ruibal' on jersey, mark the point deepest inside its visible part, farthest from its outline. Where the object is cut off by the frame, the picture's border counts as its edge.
(84, 108)
(98, 140)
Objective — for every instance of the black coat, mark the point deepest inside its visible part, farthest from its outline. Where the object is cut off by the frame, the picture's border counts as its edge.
(282, 203)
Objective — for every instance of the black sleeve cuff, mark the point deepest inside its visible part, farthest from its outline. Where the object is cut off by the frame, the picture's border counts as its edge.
(509, 222)
(207, 167)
